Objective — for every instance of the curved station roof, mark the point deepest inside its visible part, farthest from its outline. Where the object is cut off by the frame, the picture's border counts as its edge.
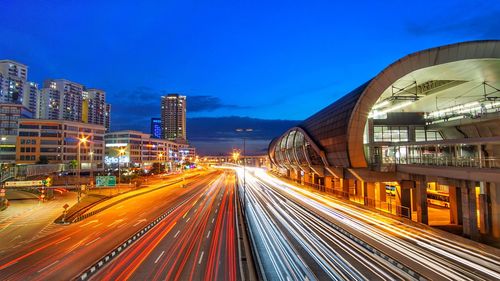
(441, 85)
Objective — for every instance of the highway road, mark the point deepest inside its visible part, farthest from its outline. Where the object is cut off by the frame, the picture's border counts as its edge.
(66, 253)
(196, 242)
(308, 235)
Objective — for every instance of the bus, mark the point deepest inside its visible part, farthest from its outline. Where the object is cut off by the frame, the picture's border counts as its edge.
(438, 198)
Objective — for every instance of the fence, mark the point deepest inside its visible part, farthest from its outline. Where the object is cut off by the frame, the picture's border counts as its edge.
(383, 206)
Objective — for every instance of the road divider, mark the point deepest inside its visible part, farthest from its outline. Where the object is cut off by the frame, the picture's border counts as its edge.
(89, 214)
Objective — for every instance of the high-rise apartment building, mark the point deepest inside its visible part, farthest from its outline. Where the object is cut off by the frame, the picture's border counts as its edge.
(107, 117)
(156, 128)
(13, 77)
(31, 97)
(94, 106)
(61, 100)
(173, 117)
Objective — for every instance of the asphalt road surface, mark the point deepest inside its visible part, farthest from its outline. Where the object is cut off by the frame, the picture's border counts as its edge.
(297, 233)
(63, 255)
(196, 242)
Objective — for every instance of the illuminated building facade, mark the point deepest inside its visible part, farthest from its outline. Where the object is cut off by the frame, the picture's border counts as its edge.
(57, 141)
(173, 117)
(140, 149)
(425, 127)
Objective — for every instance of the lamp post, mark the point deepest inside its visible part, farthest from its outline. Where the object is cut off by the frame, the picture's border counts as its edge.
(91, 153)
(79, 163)
(121, 152)
(160, 155)
(248, 130)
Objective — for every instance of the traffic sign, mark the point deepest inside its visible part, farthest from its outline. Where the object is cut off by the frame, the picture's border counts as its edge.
(105, 181)
(23, 183)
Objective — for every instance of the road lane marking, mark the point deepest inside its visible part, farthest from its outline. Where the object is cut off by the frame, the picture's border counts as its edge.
(93, 241)
(158, 258)
(95, 226)
(208, 233)
(48, 266)
(201, 257)
(188, 219)
(115, 222)
(139, 221)
(18, 236)
(185, 214)
(90, 222)
(178, 231)
(62, 240)
(213, 220)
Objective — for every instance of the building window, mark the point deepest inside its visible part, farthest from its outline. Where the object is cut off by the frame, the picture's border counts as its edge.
(390, 133)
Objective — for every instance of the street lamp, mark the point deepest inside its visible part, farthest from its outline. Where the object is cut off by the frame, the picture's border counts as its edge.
(121, 151)
(91, 153)
(160, 155)
(81, 140)
(248, 130)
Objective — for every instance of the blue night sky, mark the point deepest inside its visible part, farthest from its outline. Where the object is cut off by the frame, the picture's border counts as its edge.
(259, 59)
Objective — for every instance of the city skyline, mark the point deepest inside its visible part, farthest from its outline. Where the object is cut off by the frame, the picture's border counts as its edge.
(250, 140)
(302, 50)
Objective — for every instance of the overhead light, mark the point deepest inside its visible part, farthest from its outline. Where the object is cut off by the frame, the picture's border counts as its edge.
(382, 104)
(396, 107)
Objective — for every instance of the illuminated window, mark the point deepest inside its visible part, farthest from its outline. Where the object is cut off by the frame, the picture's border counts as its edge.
(390, 133)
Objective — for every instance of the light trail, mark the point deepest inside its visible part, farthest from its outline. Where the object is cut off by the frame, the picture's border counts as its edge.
(304, 214)
(293, 244)
(186, 246)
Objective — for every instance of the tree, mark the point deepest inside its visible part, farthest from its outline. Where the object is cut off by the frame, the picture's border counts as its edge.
(43, 160)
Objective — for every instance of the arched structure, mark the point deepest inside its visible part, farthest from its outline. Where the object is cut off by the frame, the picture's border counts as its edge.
(430, 117)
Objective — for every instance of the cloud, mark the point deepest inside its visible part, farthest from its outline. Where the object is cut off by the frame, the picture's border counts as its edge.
(217, 135)
(481, 26)
(207, 103)
(224, 128)
(133, 109)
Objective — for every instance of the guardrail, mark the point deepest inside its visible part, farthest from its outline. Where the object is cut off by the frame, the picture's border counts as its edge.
(77, 218)
(382, 207)
(260, 273)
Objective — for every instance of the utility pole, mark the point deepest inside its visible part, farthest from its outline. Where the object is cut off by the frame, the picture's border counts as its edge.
(244, 165)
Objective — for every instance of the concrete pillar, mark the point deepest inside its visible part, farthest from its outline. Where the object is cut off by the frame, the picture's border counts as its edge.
(358, 188)
(484, 218)
(328, 183)
(363, 186)
(469, 208)
(455, 205)
(307, 177)
(495, 209)
(379, 190)
(370, 189)
(421, 200)
(405, 189)
(344, 184)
